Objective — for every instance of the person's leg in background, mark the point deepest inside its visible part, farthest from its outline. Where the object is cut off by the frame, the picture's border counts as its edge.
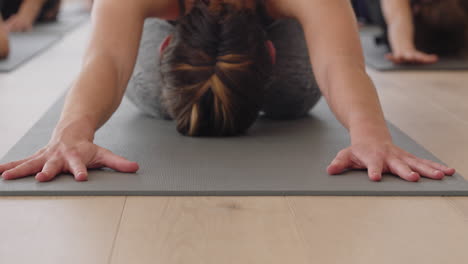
(292, 91)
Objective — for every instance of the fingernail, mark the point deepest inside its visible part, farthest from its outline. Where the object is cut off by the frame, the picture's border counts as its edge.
(82, 176)
(414, 175)
(377, 177)
(38, 175)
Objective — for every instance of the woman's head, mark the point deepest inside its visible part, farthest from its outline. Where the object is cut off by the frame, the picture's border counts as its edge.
(440, 26)
(215, 68)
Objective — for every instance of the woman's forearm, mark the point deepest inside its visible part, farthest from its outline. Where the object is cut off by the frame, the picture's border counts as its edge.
(338, 63)
(358, 109)
(398, 16)
(92, 100)
(107, 67)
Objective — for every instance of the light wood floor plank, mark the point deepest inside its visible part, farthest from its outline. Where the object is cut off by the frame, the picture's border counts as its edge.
(448, 90)
(381, 230)
(208, 230)
(461, 203)
(60, 230)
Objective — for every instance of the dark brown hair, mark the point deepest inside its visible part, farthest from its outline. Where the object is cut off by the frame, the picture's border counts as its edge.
(215, 69)
(441, 26)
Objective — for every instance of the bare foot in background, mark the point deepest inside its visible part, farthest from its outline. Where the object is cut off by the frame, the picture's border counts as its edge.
(4, 43)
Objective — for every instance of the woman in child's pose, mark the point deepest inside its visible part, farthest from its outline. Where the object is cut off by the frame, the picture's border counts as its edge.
(219, 64)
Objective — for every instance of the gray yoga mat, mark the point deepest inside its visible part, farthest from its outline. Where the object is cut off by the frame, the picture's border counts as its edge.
(375, 58)
(274, 158)
(25, 46)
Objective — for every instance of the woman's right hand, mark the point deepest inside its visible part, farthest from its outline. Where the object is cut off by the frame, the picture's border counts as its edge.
(411, 56)
(404, 50)
(66, 156)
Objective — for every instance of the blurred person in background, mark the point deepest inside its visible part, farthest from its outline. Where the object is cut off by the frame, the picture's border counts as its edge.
(20, 15)
(420, 31)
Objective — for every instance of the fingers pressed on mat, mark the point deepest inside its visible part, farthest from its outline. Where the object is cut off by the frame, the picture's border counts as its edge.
(116, 162)
(341, 162)
(374, 169)
(448, 171)
(400, 168)
(77, 168)
(28, 168)
(11, 165)
(427, 58)
(50, 170)
(424, 170)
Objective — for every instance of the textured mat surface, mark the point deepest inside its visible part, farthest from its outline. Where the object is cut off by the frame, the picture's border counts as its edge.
(375, 58)
(275, 158)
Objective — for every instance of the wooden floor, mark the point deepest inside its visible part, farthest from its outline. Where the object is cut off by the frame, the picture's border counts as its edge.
(431, 107)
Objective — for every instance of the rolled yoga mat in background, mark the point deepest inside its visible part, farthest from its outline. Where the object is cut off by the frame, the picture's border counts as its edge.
(274, 158)
(375, 59)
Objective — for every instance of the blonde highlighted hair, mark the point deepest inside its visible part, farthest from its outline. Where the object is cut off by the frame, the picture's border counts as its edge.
(216, 68)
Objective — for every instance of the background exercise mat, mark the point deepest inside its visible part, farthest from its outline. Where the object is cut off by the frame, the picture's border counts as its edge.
(375, 58)
(275, 158)
(24, 46)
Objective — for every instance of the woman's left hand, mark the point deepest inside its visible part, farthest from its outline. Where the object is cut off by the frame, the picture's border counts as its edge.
(380, 158)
